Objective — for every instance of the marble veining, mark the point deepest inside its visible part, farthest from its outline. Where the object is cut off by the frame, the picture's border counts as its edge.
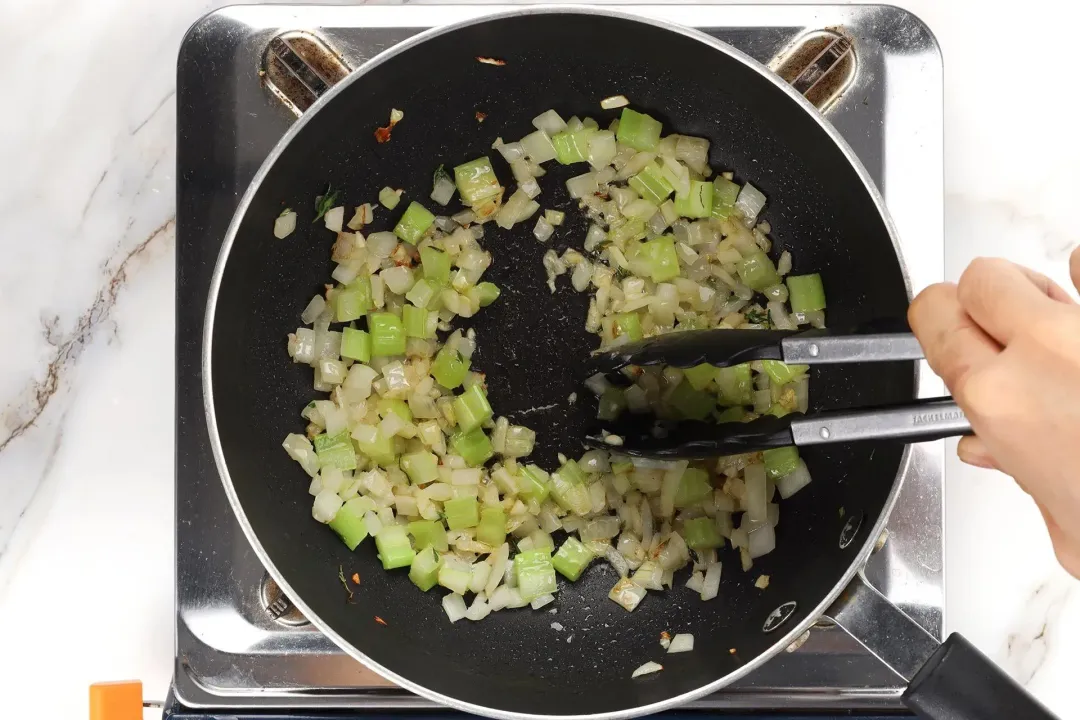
(86, 379)
(1031, 640)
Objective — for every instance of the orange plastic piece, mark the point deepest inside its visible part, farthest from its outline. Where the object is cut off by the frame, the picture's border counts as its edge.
(116, 700)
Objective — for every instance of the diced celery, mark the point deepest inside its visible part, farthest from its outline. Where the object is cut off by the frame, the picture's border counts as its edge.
(569, 490)
(322, 441)
(387, 334)
(415, 321)
(629, 324)
(462, 513)
(700, 376)
(449, 368)
(349, 527)
(421, 293)
(534, 483)
(393, 405)
(424, 571)
(358, 506)
(638, 130)
(611, 404)
(436, 266)
(573, 472)
(381, 450)
(395, 550)
(662, 259)
(429, 533)
(691, 403)
(454, 575)
(471, 408)
(389, 198)
(519, 442)
(474, 446)
(735, 385)
(414, 223)
(725, 193)
(693, 487)
(571, 147)
(698, 202)
(758, 271)
(651, 184)
(732, 414)
(335, 451)
(342, 457)
(572, 559)
(702, 534)
(781, 373)
(781, 461)
(632, 230)
(476, 181)
(421, 467)
(535, 574)
(488, 293)
(355, 345)
(806, 292)
(492, 528)
(350, 304)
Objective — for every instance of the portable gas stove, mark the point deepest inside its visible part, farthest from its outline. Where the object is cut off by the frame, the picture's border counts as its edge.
(244, 75)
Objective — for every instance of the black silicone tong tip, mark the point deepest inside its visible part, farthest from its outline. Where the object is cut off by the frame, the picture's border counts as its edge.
(645, 436)
(692, 347)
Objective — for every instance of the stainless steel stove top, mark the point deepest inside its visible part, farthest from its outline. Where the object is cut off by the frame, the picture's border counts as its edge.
(234, 652)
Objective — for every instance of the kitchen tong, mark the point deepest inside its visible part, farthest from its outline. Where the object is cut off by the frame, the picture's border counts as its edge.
(646, 436)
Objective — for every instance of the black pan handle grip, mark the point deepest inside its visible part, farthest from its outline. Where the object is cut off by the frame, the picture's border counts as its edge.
(960, 683)
(947, 681)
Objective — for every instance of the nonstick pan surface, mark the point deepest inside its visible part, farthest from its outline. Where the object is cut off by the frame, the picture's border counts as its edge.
(822, 208)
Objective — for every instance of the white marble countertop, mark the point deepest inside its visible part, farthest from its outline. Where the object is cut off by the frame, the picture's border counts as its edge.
(86, 310)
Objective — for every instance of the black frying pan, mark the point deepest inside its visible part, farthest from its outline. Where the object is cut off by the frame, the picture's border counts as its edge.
(531, 345)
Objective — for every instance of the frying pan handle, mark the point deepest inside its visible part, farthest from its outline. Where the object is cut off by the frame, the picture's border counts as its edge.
(947, 681)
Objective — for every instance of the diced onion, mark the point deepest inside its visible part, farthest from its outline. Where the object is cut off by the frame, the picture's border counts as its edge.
(549, 122)
(314, 309)
(582, 185)
(334, 218)
(326, 506)
(627, 594)
(454, 606)
(710, 584)
(682, 642)
(749, 202)
(285, 224)
(543, 230)
(443, 190)
(761, 541)
(647, 668)
(793, 482)
(542, 600)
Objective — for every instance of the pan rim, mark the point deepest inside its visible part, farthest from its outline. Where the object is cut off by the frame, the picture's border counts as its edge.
(856, 566)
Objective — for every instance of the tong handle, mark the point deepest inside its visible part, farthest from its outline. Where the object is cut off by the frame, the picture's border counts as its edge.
(921, 421)
(732, 347)
(815, 349)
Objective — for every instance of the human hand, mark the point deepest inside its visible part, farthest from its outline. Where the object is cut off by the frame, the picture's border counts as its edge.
(1006, 341)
